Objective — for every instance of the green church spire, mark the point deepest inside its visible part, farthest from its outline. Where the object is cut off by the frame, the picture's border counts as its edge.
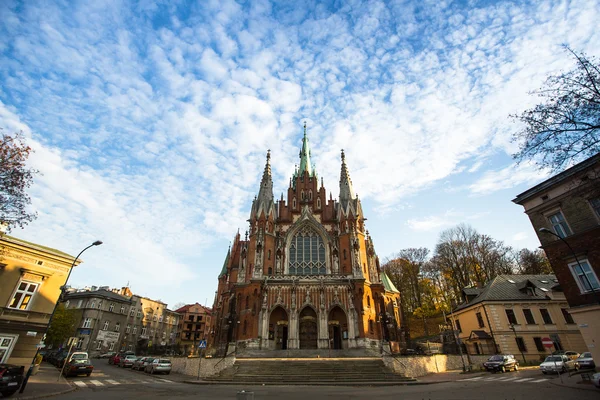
(305, 155)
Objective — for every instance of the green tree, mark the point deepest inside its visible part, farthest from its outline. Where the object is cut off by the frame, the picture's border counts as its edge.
(533, 262)
(63, 326)
(15, 179)
(565, 126)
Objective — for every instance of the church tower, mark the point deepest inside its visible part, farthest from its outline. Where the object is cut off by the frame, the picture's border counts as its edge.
(305, 275)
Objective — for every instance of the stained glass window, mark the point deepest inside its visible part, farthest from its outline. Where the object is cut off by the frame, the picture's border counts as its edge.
(307, 253)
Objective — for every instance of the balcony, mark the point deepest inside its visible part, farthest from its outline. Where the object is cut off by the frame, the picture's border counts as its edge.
(30, 316)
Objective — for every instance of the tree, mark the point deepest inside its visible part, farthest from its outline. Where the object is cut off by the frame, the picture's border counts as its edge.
(565, 127)
(533, 262)
(15, 179)
(63, 326)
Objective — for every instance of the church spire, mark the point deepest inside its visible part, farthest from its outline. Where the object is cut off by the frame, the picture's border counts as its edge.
(265, 194)
(305, 155)
(346, 190)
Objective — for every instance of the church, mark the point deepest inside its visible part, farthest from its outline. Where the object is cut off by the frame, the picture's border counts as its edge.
(305, 275)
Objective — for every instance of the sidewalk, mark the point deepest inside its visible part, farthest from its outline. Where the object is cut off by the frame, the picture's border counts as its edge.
(44, 384)
(575, 381)
(457, 375)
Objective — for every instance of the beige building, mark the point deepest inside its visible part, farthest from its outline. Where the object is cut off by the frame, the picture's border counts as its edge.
(194, 326)
(31, 276)
(512, 314)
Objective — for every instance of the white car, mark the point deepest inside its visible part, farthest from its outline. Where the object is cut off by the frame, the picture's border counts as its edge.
(558, 364)
(596, 379)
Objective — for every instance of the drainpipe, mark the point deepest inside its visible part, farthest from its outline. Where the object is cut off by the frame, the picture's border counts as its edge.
(491, 330)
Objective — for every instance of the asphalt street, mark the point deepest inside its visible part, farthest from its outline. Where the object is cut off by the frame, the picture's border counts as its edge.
(116, 383)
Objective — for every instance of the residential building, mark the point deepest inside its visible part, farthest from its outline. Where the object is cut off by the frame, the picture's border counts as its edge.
(512, 314)
(31, 277)
(194, 326)
(567, 207)
(305, 276)
(118, 320)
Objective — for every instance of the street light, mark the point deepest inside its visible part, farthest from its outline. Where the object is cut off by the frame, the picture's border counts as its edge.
(60, 297)
(512, 326)
(594, 292)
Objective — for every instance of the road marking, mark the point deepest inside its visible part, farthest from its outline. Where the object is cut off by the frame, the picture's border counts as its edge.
(473, 379)
(166, 380)
(490, 379)
(503, 379)
(80, 383)
(97, 383)
(113, 382)
(511, 379)
(524, 380)
(540, 380)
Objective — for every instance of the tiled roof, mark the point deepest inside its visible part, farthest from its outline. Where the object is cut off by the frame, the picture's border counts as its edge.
(97, 293)
(512, 288)
(387, 283)
(186, 308)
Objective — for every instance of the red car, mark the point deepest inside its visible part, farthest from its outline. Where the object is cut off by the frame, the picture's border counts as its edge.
(116, 359)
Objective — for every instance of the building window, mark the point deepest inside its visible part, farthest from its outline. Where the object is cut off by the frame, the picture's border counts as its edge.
(117, 327)
(371, 328)
(318, 202)
(307, 253)
(567, 315)
(6, 346)
(105, 327)
(521, 344)
(23, 295)
(79, 344)
(160, 319)
(127, 328)
(134, 330)
(559, 224)
(122, 309)
(480, 320)
(245, 327)
(556, 339)
(67, 304)
(154, 318)
(87, 323)
(99, 345)
(294, 203)
(93, 304)
(132, 312)
(144, 331)
(139, 313)
(368, 301)
(100, 305)
(111, 307)
(512, 318)
(458, 327)
(538, 344)
(584, 276)
(546, 316)
(528, 316)
(111, 346)
(595, 203)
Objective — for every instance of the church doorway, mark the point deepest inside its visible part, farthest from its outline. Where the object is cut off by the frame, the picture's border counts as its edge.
(278, 328)
(308, 328)
(338, 328)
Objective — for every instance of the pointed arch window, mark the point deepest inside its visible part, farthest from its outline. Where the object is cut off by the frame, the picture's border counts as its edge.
(294, 203)
(318, 202)
(307, 253)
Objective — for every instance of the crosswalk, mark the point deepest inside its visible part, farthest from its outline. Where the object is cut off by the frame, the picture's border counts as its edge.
(99, 383)
(514, 379)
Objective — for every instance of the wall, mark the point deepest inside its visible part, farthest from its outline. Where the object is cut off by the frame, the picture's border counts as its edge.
(209, 366)
(423, 365)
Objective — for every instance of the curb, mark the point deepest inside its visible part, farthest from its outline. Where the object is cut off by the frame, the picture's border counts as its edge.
(366, 384)
(591, 387)
(41, 396)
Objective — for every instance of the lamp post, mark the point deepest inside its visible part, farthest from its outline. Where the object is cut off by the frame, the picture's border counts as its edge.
(512, 326)
(594, 292)
(60, 297)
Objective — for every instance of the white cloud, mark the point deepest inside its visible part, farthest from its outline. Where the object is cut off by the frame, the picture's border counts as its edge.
(507, 178)
(520, 236)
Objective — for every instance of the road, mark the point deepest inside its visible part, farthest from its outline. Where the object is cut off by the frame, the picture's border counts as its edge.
(116, 383)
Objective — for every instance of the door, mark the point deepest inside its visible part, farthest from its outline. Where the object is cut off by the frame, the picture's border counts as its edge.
(308, 333)
(337, 337)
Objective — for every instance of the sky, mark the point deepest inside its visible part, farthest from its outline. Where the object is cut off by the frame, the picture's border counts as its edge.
(151, 120)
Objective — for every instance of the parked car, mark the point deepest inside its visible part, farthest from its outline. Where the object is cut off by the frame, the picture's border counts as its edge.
(558, 364)
(66, 358)
(12, 376)
(127, 361)
(141, 362)
(116, 359)
(59, 359)
(107, 355)
(78, 366)
(571, 354)
(159, 365)
(586, 361)
(501, 363)
(49, 356)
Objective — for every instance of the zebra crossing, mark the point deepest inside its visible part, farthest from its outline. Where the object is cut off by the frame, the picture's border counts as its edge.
(100, 383)
(514, 379)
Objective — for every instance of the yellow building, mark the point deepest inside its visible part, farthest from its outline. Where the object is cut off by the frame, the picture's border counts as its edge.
(31, 276)
(512, 314)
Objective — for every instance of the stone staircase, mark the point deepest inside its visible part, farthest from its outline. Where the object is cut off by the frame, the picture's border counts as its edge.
(318, 371)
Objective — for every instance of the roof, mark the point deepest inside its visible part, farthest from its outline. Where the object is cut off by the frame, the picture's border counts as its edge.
(224, 269)
(97, 293)
(548, 183)
(512, 288)
(479, 335)
(387, 283)
(36, 246)
(186, 308)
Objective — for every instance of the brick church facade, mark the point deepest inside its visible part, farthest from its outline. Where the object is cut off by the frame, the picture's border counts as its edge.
(305, 275)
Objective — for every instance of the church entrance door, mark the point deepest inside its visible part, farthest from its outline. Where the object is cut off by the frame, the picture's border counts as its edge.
(308, 329)
(278, 329)
(338, 328)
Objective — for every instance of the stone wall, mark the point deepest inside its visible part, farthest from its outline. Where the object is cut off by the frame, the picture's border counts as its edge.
(209, 366)
(415, 366)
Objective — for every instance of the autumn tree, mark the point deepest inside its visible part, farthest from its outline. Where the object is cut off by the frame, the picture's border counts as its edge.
(564, 127)
(533, 262)
(63, 326)
(15, 179)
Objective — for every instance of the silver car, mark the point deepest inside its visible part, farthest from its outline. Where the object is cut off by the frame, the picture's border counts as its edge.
(159, 365)
(558, 364)
(585, 360)
(141, 362)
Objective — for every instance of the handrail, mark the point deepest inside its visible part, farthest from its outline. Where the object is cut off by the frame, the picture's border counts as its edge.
(394, 357)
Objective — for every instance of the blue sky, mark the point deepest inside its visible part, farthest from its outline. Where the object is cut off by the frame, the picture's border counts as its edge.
(151, 119)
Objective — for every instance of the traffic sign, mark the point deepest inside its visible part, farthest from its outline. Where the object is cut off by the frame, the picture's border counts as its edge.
(547, 342)
(202, 344)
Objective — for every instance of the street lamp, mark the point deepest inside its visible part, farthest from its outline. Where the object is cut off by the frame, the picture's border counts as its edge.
(60, 297)
(512, 326)
(594, 292)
